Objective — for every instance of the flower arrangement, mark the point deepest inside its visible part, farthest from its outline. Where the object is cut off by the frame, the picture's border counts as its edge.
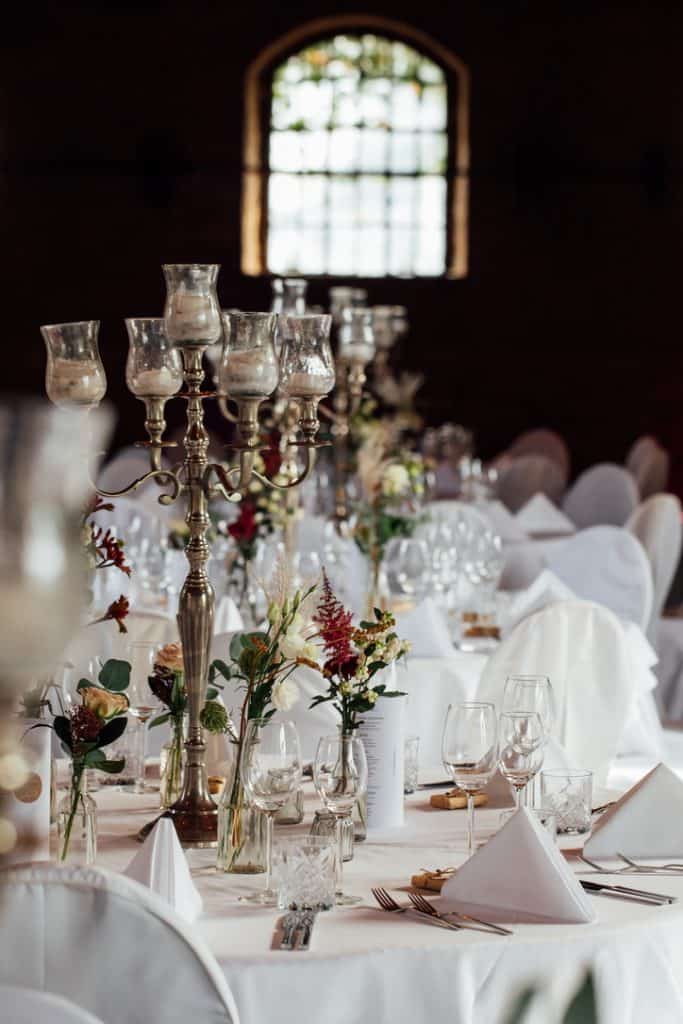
(353, 656)
(98, 721)
(392, 486)
(167, 683)
(262, 664)
(104, 551)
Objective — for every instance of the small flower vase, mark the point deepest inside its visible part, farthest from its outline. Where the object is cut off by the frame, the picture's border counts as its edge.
(77, 823)
(172, 764)
(241, 827)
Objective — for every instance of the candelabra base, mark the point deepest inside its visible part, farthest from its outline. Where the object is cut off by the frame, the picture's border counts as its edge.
(197, 826)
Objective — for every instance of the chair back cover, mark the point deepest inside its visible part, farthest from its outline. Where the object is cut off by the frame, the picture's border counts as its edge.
(29, 1006)
(609, 566)
(597, 670)
(523, 564)
(603, 494)
(529, 475)
(543, 442)
(649, 463)
(109, 945)
(658, 526)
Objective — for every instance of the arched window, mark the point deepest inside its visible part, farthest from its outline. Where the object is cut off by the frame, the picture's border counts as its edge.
(356, 154)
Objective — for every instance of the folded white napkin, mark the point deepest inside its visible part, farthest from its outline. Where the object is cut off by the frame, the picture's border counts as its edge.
(546, 589)
(539, 517)
(227, 618)
(646, 822)
(426, 629)
(503, 522)
(520, 875)
(162, 866)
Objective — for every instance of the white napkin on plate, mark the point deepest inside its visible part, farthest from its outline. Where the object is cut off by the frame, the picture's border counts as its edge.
(546, 589)
(503, 522)
(646, 822)
(162, 866)
(426, 629)
(519, 876)
(539, 518)
(227, 618)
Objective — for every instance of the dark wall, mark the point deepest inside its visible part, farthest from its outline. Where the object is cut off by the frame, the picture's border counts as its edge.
(120, 142)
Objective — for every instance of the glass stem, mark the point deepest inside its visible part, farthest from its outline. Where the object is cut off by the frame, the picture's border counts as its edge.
(518, 797)
(338, 823)
(470, 824)
(269, 847)
(142, 751)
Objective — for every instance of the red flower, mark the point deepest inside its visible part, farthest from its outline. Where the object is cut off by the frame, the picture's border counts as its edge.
(272, 456)
(336, 632)
(109, 550)
(116, 612)
(244, 529)
(85, 725)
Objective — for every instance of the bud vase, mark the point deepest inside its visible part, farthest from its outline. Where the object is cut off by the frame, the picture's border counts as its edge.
(241, 827)
(77, 823)
(172, 764)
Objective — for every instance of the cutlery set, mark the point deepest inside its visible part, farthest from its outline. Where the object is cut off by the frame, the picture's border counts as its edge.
(297, 927)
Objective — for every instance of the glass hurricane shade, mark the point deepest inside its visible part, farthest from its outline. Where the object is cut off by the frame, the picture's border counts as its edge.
(74, 376)
(249, 367)
(306, 363)
(356, 336)
(192, 313)
(154, 367)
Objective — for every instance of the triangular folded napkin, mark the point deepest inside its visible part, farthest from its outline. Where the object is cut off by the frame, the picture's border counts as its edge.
(646, 822)
(519, 876)
(162, 866)
(227, 618)
(539, 517)
(427, 630)
(503, 522)
(546, 589)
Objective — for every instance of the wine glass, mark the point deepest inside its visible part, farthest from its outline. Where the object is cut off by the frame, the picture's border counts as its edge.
(142, 702)
(340, 775)
(469, 752)
(520, 736)
(408, 566)
(271, 771)
(531, 693)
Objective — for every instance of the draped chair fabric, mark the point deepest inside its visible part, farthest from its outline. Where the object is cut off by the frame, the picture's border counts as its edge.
(605, 494)
(29, 1006)
(108, 945)
(658, 526)
(543, 442)
(649, 463)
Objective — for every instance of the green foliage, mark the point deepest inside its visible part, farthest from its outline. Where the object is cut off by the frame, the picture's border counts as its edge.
(115, 675)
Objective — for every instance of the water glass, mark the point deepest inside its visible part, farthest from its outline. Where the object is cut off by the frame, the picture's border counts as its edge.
(520, 737)
(570, 795)
(340, 776)
(411, 751)
(469, 752)
(304, 872)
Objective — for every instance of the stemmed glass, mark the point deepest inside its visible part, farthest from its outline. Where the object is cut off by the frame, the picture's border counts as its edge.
(520, 736)
(408, 566)
(531, 693)
(271, 771)
(469, 752)
(340, 775)
(143, 704)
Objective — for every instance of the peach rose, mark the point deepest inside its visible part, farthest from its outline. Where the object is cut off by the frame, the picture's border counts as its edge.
(171, 657)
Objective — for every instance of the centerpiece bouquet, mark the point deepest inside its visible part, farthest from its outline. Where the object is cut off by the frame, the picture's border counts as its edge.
(392, 487)
(167, 683)
(84, 730)
(260, 667)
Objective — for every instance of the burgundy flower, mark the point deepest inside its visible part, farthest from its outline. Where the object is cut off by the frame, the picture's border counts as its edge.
(116, 612)
(161, 684)
(243, 530)
(85, 725)
(272, 456)
(109, 550)
(336, 630)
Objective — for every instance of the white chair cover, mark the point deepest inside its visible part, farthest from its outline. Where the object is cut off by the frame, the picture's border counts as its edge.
(529, 475)
(28, 1006)
(604, 494)
(658, 526)
(599, 671)
(523, 564)
(649, 463)
(609, 566)
(543, 442)
(110, 946)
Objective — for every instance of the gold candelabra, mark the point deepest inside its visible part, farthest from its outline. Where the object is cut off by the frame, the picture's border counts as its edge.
(162, 355)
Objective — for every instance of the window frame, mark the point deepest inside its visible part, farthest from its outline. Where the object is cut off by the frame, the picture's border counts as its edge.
(257, 125)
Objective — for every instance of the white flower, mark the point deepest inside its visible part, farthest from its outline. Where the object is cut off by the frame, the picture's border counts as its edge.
(294, 643)
(395, 481)
(370, 696)
(394, 649)
(346, 689)
(285, 694)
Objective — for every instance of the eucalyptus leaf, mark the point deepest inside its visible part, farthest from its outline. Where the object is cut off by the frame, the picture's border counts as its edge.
(160, 719)
(115, 675)
(94, 758)
(111, 767)
(112, 731)
(63, 729)
(84, 684)
(235, 649)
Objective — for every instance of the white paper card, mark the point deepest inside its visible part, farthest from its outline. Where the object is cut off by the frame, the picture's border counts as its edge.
(520, 875)
(162, 866)
(382, 731)
(646, 822)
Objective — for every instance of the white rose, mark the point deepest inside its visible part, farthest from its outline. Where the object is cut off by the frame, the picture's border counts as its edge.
(294, 644)
(395, 481)
(285, 694)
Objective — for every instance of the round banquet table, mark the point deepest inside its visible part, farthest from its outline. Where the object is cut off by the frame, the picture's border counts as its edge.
(365, 965)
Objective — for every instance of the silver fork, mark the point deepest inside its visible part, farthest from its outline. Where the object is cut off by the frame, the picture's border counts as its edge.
(606, 871)
(653, 869)
(631, 868)
(420, 903)
(389, 904)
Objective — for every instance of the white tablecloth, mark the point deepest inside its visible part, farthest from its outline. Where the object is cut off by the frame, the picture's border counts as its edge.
(368, 966)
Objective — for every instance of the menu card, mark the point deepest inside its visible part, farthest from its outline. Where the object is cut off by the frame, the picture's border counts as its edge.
(382, 731)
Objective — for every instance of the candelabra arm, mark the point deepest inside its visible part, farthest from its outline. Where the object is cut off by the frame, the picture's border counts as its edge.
(327, 412)
(225, 409)
(162, 476)
(310, 462)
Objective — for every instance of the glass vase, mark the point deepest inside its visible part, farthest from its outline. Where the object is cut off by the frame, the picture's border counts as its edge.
(172, 764)
(77, 823)
(241, 827)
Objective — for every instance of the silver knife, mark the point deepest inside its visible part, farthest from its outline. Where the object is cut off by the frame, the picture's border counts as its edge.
(308, 922)
(643, 895)
(290, 922)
